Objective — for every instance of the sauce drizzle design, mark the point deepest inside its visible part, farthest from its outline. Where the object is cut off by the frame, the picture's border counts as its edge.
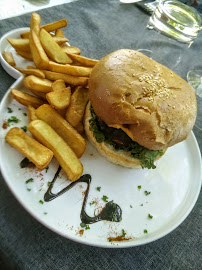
(111, 211)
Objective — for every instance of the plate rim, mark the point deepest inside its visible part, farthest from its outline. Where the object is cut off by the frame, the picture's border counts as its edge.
(123, 244)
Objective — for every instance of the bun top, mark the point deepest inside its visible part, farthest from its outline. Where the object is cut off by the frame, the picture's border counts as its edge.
(156, 105)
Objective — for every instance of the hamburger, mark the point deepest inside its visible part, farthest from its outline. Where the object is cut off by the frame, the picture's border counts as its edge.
(137, 109)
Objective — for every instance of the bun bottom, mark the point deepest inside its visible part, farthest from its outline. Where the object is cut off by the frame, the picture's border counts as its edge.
(118, 157)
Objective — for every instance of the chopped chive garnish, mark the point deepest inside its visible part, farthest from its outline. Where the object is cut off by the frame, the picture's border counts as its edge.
(9, 110)
(123, 233)
(147, 192)
(105, 198)
(98, 188)
(29, 180)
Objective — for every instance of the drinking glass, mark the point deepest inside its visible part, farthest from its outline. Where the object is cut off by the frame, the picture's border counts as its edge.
(169, 34)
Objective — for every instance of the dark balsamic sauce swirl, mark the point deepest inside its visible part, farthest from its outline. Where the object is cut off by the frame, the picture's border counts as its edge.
(111, 211)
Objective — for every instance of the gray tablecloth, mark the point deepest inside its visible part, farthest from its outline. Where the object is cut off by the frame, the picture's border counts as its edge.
(98, 28)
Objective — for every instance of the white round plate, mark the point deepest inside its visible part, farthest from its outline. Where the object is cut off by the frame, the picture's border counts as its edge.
(5, 46)
(174, 188)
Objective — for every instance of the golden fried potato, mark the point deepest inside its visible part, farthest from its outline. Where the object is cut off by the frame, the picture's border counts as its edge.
(69, 79)
(8, 57)
(37, 84)
(60, 99)
(48, 27)
(20, 44)
(26, 99)
(31, 113)
(76, 109)
(63, 128)
(39, 56)
(58, 85)
(62, 152)
(84, 61)
(69, 69)
(32, 71)
(59, 33)
(26, 55)
(70, 49)
(52, 49)
(33, 150)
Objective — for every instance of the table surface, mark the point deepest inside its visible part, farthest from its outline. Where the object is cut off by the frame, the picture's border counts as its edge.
(98, 27)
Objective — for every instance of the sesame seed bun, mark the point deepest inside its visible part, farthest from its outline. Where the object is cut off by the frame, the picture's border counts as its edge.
(157, 106)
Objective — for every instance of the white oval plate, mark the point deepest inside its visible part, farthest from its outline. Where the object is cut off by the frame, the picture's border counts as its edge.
(174, 187)
(5, 46)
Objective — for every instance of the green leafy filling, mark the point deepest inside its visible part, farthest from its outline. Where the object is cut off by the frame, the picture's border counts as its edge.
(146, 156)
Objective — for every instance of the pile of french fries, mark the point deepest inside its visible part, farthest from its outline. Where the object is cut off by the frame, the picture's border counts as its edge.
(58, 86)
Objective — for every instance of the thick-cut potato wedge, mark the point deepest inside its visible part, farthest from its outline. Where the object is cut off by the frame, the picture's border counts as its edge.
(60, 99)
(70, 49)
(84, 61)
(26, 99)
(31, 113)
(79, 128)
(48, 27)
(38, 84)
(33, 150)
(35, 22)
(32, 71)
(59, 33)
(76, 109)
(20, 44)
(60, 40)
(8, 57)
(63, 128)
(39, 94)
(62, 152)
(70, 70)
(39, 56)
(26, 55)
(72, 80)
(52, 49)
(58, 85)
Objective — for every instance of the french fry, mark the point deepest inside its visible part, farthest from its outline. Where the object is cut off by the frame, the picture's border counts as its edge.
(37, 84)
(76, 109)
(39, 56)
(9, 58)
(62, 152)
(84, 61)
(52, 49)
(60, 40)
(70, 49)
(26, 55)
(39, 94)
(58, 85)
(79, 128)
(20, 44)
(63, 128)
(69, 69)
(60, 99)
(32, 71)
(59, 33)
(31, 113)
(71, 80)
(33, 150)
(26, 99)
(48, 27)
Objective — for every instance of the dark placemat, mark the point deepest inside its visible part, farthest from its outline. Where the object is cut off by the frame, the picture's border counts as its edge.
(98, 28)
